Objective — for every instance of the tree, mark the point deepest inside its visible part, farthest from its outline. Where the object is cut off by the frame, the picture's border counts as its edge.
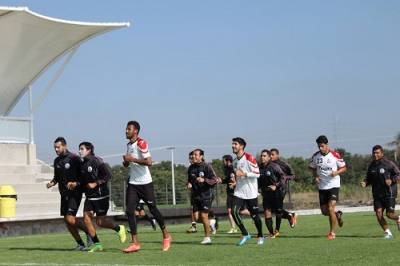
(396, 144)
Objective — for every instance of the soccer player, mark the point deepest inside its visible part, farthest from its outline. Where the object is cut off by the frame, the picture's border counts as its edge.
(140, 185)
(202, 179)
(382, 176)
(66, 175)
(327, 165)
(193, 215)
(95, 176)
(227, 161)
(246, 189)
(140, 213)
(272, 187)
(288, 175)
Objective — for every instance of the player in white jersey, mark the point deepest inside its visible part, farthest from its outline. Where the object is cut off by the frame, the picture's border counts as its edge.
(140, 185)
(246, 173)
(327, 165)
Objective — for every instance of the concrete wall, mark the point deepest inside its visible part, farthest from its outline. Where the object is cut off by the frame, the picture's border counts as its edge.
(17, 154)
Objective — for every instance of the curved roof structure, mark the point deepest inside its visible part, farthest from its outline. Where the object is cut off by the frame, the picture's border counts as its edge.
(31, 42)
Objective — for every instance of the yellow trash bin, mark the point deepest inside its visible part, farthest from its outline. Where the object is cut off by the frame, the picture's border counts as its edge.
(8, 202)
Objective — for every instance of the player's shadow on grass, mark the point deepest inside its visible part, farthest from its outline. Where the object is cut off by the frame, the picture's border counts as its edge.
(195, 242)
(322, 236)
(40, 249)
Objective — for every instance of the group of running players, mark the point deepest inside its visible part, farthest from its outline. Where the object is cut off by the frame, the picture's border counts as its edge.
(245, 179)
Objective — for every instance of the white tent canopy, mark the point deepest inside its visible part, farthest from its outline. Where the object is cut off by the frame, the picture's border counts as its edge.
(30, 43)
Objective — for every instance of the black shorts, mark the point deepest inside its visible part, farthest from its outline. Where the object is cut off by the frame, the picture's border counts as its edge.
(70, 204)
(97, 206)
(135, 193)
(325, 196)
(140, 207)
(387, 204)
(273, 201)
(202, 205)
(230, 200)
(249, 204)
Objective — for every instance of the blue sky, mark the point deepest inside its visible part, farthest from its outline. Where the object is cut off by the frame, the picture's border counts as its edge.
(197, 73)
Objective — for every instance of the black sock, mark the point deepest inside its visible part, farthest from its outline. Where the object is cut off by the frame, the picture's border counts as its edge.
(286, 215)
(95, 239)
(194, 224)
(147, 218)
(278, 220)
(269, 224)
(117, 228)
(80, 242)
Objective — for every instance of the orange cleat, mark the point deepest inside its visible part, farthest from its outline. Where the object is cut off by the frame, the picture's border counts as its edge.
(132, 248)
(331, 236)
(166, 243)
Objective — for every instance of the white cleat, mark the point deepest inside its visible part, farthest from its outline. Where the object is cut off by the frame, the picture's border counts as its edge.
(206, 241)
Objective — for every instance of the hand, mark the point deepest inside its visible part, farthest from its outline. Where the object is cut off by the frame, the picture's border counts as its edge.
(388, 182)
(232, 184)
(128, 158)
(317, 180)
(189, 185)
(219, 180)
(72, 185)
(50, 184)
(200, 179)
(239, 173)
(363, 184)
(334, 173)
(272, 187)
(91, 185)
(125, 164)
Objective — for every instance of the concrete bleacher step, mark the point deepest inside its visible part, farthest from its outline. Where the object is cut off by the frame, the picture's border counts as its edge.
(20, 169)
(38, 197)
(23, 178)
(34, 188)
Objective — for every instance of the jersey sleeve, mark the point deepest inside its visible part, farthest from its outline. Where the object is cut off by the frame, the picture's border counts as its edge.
(254, 171)
(312, 163)
(143, 148)
(339, 160)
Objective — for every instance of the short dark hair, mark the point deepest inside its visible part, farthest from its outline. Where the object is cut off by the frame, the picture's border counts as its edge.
(88, 146)
(377, 147)
(191, 153)
(199, 150)
(227, 157)
(62, 140)
(275, 150)
(240, 140)
(135, 124)
(322, 140)
(267, 151)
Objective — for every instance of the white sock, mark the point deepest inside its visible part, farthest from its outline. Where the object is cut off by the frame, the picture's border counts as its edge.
(387, 231)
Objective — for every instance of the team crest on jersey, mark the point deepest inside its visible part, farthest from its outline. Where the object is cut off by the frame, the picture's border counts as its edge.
(382, 171)
(90, 169)
(67, 166)
(201, 174)
(268, 173)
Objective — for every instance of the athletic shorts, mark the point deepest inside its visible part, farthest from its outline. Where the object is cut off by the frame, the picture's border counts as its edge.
(97, 206)
(135, 193)
(249, 204)
(387, 204)
(325, 196)
(202, 205)
(273, 201)
(140, 207)
(70, 204)
(230, 200)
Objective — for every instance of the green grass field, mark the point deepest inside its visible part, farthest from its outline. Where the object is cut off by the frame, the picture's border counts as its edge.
(358, 242)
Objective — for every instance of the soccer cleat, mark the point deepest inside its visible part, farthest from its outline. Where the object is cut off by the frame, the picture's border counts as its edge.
(166, 243)
(96, 248)
(331, 236)
(80, 248)
(272, 236)
(191, 229)
(132, 248)
(206, 241)
(388, 236)
(293, 220)
(276, 233)
(153, 224)
(398, 225)
(232, 231)
(339, 215)
(244, 240)
(260, 241)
